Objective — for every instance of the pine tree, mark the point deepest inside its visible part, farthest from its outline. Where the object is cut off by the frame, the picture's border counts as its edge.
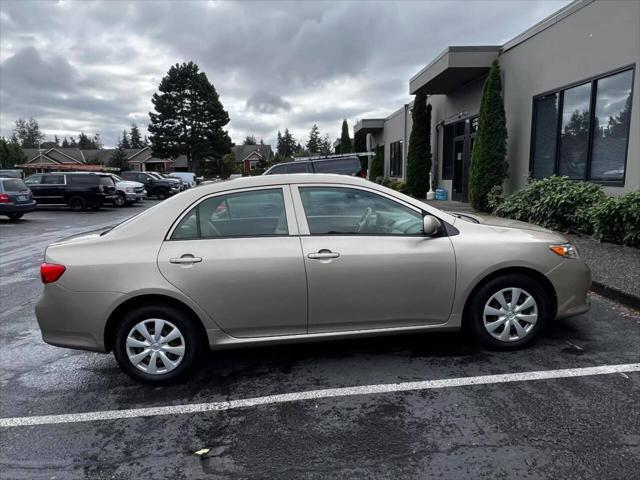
(250, 140)
(135, 137)
(119, 159)
(65, 143)
(56, 140)
(419, 154)
(124, 141)
(345, 140)
(315, 141)
(188, 118)
(325, 146)
(489, 167)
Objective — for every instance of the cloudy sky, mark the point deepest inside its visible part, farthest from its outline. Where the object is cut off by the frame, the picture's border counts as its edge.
(93, 66)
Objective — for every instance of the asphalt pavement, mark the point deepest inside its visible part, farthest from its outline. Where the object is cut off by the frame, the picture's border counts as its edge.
(567, 427)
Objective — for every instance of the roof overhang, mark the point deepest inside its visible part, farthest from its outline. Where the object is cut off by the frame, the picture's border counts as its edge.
(452, 69)
(368, 125)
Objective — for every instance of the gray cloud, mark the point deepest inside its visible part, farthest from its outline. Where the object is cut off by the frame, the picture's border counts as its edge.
(274, 64)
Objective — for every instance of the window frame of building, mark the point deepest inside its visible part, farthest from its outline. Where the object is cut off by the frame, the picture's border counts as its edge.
(395, 159)
(593, 82)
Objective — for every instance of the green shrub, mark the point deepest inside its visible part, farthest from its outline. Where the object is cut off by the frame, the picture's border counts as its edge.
(617, 219)
(377, 164)
(554, 202)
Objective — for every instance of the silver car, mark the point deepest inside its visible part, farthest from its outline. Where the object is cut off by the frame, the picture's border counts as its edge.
(292, 258)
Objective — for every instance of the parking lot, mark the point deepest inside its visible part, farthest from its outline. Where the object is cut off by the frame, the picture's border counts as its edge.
(443, 417)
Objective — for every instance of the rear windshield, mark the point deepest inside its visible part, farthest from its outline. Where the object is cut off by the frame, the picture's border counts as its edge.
(14, 185)
(345, 166)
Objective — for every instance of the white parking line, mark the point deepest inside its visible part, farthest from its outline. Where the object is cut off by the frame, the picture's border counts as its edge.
(318, 394)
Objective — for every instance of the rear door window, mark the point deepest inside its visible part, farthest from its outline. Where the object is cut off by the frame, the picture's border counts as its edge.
(343, 166)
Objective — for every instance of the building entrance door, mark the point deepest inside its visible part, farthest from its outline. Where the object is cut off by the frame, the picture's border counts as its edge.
(464, 135)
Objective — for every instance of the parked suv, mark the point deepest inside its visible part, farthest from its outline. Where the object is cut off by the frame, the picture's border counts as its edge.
(15, 198)
(341, 165)
(78, 190)
(156, 186)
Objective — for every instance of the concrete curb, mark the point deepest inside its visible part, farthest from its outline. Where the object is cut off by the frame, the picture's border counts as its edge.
(616, 295)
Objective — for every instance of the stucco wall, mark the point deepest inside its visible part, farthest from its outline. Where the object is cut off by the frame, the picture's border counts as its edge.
(600, 37)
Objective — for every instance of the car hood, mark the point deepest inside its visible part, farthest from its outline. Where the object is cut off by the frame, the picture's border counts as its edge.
(129, 183)
(494, 221)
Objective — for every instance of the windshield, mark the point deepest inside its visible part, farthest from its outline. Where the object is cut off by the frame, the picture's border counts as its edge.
(116, 178)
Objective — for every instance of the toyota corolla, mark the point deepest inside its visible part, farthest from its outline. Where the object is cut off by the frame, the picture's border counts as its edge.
(292, 258)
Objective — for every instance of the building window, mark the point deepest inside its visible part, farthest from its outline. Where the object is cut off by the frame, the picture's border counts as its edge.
(582, 132)
(395, 159)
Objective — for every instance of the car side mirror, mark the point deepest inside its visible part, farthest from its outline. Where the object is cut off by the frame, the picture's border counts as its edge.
(430, 225)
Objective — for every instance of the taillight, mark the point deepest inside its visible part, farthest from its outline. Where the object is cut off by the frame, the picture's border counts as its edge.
(50, 272)
(4, 198)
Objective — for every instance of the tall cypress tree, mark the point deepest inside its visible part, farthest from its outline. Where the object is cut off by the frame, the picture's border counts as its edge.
(189, 118)
(345, 140)
(419, 155)
(377, 164)
(489, 166)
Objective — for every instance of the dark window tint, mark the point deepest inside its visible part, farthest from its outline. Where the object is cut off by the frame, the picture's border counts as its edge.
(278, 169)
(395, 159)
(343, 166)
(546, 132)
(447, 153)
(14, 185)
(611, 126)
(82, 179)
(53, 179)
(243, 214)
(105, 180)
(347, 211)
(574, 134)
(33, 179)
(299, 167)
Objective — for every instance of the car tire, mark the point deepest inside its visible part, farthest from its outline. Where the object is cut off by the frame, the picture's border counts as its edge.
(127, 351)
(120, 200)
(15, 216)
(77, 203)
(162, 194)
(491, 311)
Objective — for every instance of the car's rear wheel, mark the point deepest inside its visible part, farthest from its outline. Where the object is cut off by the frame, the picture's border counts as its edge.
(156, 344)
(162, 193)
(15, 216)
(77, 203)
(120, 200)
(509, 312)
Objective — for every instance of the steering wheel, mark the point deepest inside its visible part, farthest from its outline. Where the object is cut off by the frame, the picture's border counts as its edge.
(365, 220)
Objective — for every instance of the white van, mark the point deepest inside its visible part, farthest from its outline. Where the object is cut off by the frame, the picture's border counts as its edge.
(187, 178)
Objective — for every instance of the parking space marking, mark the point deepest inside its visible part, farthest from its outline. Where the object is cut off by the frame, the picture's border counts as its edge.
(318, 394)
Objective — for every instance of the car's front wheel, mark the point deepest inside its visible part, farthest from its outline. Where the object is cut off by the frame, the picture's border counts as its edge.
(156, 344)
(508, 312)
(162, 193)
(120, 200)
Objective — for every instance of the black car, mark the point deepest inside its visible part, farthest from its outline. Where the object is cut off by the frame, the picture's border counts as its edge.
(340, 165)
(78, 190)
(154, 184)
(15, 198)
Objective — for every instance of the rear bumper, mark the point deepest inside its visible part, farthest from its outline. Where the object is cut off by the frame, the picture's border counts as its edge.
(74, 319)
(571, 280)
(7, 208)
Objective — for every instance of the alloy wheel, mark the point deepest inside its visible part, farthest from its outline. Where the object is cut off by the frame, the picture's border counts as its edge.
(155, 346)
(510, 314)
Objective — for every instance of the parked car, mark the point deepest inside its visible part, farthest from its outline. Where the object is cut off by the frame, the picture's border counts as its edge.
(167, 176)
(317, 257)
(340, 165)
(15, 198)
(187, 178)
(155, 186)
(12, 173)
(128, 191)
(78, 190)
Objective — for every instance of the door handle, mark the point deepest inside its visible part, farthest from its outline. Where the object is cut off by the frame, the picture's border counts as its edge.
(187, 258)
(323, 255)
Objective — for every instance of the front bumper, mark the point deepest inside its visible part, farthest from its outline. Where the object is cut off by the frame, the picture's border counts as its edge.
(136, 197)
(8, 208)
(571, 280)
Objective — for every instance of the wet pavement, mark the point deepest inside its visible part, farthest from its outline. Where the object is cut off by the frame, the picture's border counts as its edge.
(586, 427)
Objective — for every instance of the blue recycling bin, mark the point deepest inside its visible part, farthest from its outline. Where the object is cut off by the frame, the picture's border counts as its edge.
(441, 194)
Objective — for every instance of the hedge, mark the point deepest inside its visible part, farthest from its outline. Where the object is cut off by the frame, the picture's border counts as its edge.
(566, 205)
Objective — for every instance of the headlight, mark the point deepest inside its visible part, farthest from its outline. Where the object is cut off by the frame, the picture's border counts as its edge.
(129, 189)
(565, 250)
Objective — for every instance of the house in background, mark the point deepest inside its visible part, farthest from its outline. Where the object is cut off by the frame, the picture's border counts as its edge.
(58, 158)
(568, 88)
(251, 155)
